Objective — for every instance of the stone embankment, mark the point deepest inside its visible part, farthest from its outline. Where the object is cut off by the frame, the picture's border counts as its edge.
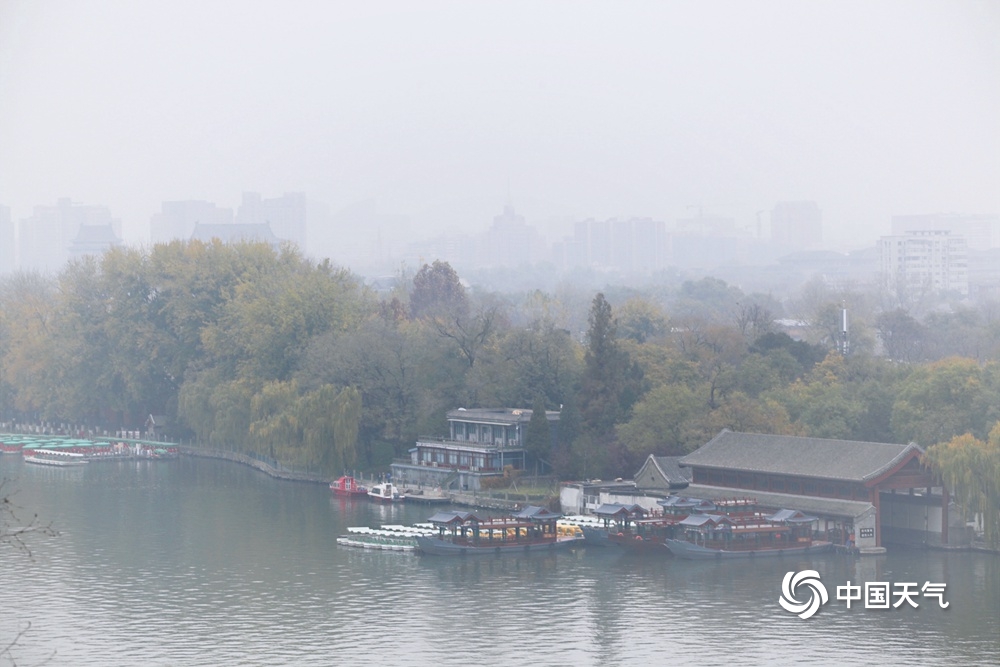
(278, 472)
(265, 467)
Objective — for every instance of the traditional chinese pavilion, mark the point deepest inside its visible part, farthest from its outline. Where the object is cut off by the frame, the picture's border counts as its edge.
(871, 490)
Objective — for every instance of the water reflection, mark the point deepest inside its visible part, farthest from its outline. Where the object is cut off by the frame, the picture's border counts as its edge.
(206, 563)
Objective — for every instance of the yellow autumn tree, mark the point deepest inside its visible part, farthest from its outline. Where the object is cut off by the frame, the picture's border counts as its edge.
(970, 468)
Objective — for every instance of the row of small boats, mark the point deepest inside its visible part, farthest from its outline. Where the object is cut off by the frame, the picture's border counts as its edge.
(699, 529)
(62, 452)
(687, 528)
(347, 486)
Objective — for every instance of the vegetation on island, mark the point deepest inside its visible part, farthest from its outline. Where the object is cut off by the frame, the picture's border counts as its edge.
(265, 351)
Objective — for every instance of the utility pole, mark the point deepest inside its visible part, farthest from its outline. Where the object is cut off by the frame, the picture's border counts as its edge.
(844, 340)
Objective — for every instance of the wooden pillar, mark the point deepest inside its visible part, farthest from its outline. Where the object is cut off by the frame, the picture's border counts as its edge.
(878, 517)
(944, 515)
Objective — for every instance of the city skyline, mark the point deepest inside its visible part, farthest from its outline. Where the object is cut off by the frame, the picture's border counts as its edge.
(442, 112)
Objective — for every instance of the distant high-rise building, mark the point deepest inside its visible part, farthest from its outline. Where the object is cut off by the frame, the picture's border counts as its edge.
(177, 219)
(510, 241)
(924, 261)
(798, 224)
(981, 232)
(6, 241)
(634, 245)
(45, 238)
(286, 215)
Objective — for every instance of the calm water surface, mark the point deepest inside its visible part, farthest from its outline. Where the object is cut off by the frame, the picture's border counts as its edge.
(200, 562)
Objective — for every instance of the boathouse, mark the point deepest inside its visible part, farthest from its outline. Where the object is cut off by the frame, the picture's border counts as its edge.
(877, 492)
(480, 443)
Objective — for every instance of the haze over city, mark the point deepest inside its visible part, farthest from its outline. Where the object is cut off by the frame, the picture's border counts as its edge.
(441, 113)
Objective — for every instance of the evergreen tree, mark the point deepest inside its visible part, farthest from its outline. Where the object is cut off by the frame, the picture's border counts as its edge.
(538, 437)
(611, 383)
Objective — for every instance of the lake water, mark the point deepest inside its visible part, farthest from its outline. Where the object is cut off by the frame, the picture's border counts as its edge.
(202, 562)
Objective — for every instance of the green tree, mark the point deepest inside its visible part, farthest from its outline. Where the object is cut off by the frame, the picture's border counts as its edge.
(661, 422)
(27, 313)
(945, 399)
(901, 335)
(970, 468)
(538, 435)
(641, 320)
(609, 377)
(524, 362)
(437, 292)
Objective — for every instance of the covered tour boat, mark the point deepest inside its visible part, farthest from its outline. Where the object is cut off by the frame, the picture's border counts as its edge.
(784, 533)
(464, 533)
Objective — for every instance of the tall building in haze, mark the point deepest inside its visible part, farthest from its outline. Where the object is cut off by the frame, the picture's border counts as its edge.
(6, 241)
(286, 215)
(797, 224)
(924, 262)
(177, 219)
(981, 232)
(46, 238)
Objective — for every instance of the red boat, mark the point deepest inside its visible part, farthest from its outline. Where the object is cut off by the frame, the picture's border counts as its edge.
(348, 486)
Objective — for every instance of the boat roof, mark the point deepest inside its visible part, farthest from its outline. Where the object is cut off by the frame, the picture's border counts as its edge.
(536, 513)
(619, 509)
(679, 502)
(791, 516)
(451, 518)
(699, 520)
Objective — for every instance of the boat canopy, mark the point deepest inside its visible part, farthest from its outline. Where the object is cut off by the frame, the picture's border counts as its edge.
(453, 518)
(535, 513)
(791, 516)
(618, 510)
(702, 520)
(690, 504)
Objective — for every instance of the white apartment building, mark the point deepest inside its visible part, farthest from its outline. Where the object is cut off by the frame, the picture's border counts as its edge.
(924, 261)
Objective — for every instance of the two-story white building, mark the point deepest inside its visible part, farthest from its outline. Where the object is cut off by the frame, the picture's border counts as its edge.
(481, 442)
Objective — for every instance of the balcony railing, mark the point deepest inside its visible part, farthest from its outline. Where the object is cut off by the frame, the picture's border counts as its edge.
(448, 466)
(501, 444)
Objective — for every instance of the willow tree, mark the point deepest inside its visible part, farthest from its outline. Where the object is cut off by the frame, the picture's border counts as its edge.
(970, 468)
(274, 420)
(346, 411)
(330, 419)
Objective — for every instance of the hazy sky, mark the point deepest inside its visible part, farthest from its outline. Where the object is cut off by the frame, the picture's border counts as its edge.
(433, 109)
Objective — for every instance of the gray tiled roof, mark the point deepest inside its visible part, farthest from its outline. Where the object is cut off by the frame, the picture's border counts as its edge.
(833, 507)
(846, 460)
(672, 472)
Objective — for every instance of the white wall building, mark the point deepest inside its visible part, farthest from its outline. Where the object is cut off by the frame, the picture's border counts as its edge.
(924, 261)
(45, 238)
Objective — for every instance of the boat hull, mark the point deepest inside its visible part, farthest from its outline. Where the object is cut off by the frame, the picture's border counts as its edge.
(341, 493)
(437, 547)
(596, 536)
(58, 463)
(684, 549)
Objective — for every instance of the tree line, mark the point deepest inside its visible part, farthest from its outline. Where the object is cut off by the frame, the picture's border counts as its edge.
(266, 351)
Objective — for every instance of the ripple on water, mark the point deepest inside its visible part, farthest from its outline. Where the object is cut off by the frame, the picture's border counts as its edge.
(218, 565)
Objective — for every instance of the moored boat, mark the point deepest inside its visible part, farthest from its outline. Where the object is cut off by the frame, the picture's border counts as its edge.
(784, 533)
(54, 458)
(347, 486)
(385, 492)
(464, 533)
